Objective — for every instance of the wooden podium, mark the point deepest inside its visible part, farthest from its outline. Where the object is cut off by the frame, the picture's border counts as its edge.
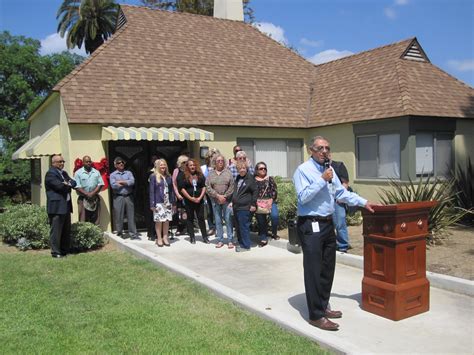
(395, 284)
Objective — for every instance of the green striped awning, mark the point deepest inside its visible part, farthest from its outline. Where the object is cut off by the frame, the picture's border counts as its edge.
(112, 133)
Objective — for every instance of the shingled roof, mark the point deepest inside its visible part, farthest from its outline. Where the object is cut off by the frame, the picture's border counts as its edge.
(391, 81)
(167, 68)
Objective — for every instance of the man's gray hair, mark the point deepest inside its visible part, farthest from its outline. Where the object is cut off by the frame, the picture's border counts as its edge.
(315, 138)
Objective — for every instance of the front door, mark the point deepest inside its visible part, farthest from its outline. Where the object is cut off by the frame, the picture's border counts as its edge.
(138, 156)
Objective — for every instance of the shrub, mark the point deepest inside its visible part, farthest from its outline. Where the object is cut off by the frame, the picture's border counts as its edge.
(25, 226)
(286, 201)
(86, 236)
(441, 216)
(354, 219)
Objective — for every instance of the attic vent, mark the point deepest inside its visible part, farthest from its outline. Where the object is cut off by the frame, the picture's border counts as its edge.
(415, 52)
(122, 20)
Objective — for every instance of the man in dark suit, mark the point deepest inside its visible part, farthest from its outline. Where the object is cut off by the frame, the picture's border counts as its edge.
(59, 206)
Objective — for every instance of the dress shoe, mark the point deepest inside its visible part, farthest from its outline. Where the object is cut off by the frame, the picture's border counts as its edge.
(324, 324)
(211, 232)
(58, 256)
(192, 240)
(333, 314)
(205, 240)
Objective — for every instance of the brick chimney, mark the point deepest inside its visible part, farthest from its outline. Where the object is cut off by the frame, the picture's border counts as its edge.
(229, 9)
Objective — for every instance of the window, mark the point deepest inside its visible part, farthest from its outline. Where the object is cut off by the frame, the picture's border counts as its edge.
(378, 156)
(35, 168)
(433, 154)
(282, 156)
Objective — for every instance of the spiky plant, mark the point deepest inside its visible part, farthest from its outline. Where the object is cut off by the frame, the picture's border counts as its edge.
(441, 216)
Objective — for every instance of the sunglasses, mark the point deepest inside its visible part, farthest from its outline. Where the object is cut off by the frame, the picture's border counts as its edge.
(61, 161)
(262, 168)
(219, 161)
(120, 162)
(320, 148)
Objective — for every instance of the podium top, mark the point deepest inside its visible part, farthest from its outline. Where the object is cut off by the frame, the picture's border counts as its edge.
(404, 207)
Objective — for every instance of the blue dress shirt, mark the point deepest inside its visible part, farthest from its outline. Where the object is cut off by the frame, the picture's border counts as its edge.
(122, 175)
(316, 197)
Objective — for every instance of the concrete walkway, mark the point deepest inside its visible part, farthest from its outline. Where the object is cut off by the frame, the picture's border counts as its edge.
(269, 281)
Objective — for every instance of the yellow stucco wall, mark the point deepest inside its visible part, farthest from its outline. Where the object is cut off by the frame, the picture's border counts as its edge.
(464, 142)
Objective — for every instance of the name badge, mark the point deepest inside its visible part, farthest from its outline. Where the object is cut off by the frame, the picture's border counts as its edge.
(315, 226)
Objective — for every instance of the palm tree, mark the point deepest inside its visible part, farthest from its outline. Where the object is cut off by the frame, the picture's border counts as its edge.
(87, 21)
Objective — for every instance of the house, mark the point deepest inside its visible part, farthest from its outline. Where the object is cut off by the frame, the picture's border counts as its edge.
(167, 83)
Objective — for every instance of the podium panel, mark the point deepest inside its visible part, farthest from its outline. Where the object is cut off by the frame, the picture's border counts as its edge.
(395, 284)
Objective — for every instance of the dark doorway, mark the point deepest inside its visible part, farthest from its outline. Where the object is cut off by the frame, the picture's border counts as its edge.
(137, 155)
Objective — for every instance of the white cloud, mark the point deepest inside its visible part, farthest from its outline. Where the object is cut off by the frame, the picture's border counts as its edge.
(390, 13)
(310, 43)
(462, 65)
(401, 2)
(273, 31)
(53, 43)
(328, 55)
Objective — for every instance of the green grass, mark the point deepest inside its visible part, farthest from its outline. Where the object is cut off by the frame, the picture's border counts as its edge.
(110, 302)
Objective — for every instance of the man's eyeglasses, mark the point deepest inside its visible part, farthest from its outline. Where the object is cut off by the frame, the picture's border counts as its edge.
(241, 158)
(61, 161)
(320, 148)
(120, 163)
(219, 161)
(262, 168)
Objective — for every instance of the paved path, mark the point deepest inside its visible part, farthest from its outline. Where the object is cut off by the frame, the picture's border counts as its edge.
(269, 282)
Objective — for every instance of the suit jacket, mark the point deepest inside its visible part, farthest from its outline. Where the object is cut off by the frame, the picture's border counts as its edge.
(246, 196)
(57, 191)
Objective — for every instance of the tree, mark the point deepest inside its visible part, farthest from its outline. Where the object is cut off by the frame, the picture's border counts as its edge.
(200, 7)
(88, 22)
(26, 77)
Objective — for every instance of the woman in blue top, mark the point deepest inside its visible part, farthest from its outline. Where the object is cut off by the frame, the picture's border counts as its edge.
(161, 201)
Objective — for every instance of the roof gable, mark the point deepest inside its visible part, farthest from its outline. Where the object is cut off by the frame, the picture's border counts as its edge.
(391, 81)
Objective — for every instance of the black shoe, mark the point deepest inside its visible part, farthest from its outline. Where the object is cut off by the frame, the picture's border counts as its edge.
(192, 240)
(205, 240)
(342, 250)
(58, 256)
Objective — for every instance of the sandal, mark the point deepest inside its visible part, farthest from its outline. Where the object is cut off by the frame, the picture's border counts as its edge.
(219, 245)
(230, 246)
(262, 243)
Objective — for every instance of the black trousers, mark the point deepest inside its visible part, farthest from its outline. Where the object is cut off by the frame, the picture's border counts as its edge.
(319, 262)
(191, 208)
(60, 233)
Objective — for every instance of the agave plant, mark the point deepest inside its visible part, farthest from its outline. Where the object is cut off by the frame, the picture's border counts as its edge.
(441, 216)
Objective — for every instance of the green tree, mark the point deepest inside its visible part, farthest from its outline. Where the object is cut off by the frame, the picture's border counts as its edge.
(200, 7)
(26, 77)
(88, 22)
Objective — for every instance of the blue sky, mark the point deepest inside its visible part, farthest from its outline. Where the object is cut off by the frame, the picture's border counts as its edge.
(320, 30)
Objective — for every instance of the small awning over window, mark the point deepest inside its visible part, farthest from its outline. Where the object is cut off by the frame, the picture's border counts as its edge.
(46, 144)
(111, 133)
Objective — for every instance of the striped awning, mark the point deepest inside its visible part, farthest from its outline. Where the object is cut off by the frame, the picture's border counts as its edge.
(46, 144)
(112, 133)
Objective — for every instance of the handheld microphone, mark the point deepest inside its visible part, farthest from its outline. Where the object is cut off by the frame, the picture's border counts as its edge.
(327, 165)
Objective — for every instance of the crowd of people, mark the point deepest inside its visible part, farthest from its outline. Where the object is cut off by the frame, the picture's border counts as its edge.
(232, 191)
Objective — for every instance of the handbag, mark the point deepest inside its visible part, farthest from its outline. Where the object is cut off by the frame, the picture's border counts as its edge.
(264, 205)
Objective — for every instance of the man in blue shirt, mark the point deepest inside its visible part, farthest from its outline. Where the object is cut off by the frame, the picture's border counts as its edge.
(89, 184)
(122, 183)
(317, 188)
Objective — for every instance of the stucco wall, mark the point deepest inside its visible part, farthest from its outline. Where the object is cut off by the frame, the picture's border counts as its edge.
(464, 142)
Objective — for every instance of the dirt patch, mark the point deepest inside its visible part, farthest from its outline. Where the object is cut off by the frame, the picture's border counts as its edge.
(454, 257)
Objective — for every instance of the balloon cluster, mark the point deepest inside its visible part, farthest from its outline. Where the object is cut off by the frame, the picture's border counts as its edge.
(102, 166)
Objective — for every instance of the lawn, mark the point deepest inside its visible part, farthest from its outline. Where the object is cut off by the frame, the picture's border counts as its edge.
(110, 302)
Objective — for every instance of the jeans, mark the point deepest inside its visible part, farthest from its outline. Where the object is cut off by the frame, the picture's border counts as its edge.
(262, 222)
(243, 226)
(223, 212)
(339, 216)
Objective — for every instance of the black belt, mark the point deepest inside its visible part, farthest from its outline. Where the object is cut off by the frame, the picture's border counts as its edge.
(125, 195)
(316, 218)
